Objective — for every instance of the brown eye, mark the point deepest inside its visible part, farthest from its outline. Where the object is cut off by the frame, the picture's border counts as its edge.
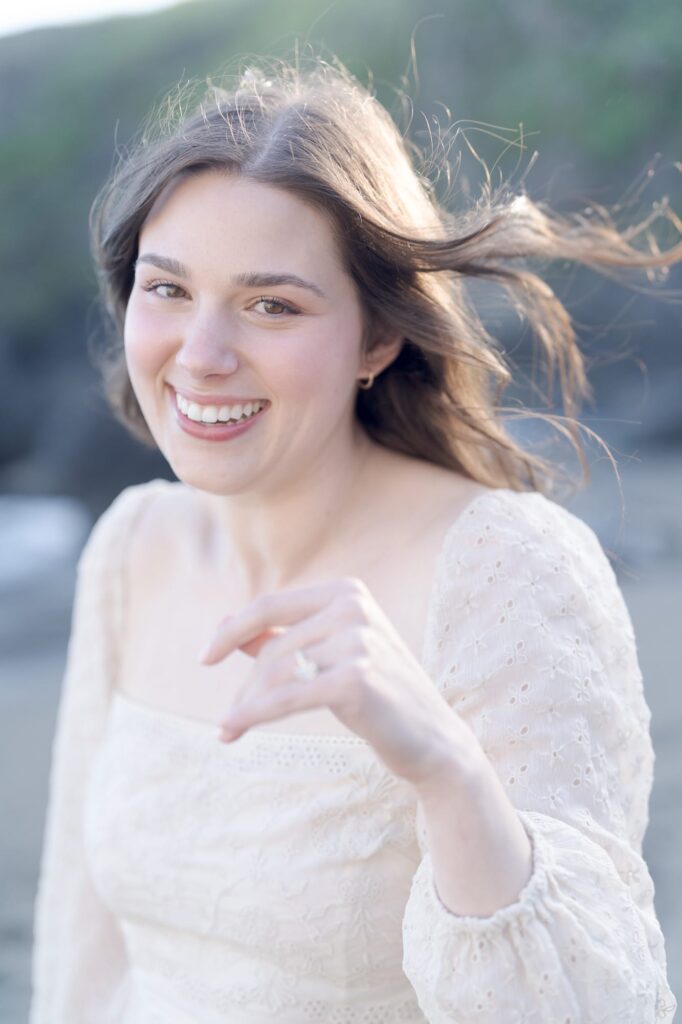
(280, 307)
(154, 287)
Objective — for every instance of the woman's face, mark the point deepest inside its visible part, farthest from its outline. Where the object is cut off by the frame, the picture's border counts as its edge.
(240, 296)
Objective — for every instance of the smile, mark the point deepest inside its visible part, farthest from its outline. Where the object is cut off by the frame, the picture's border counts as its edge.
(216, 423)
(217, 414)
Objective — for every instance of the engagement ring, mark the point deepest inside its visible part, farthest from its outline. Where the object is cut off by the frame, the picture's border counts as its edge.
(306, 668)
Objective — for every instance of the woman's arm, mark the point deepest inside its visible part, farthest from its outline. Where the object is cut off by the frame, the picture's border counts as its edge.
(79, 973)
(481, 854)
(534, 650)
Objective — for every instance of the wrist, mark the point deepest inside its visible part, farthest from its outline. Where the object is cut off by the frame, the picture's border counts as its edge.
(461, 772)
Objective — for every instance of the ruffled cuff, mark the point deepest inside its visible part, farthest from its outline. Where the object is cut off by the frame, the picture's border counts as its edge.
(424, 889)
(574, 945)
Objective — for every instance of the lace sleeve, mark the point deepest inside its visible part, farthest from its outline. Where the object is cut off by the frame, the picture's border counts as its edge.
(79, 964)
(534, 648)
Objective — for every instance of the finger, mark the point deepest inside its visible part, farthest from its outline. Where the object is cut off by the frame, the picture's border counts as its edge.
(318, 627)
(253, 647)
(281, 608)
(276, 703)
(282, 670)
(278, 672)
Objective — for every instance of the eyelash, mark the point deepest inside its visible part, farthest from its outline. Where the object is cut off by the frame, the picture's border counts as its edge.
(153, 285)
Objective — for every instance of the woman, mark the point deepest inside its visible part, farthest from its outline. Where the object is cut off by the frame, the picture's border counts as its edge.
(352, 726)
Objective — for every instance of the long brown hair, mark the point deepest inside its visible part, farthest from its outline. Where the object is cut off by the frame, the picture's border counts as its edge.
(321, 135)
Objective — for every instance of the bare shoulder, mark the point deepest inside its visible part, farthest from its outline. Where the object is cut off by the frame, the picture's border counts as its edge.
(441, 494)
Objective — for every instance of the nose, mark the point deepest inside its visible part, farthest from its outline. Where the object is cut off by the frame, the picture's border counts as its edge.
(206, 350)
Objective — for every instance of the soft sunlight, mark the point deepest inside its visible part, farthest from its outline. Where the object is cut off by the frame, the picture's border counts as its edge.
(42, 13)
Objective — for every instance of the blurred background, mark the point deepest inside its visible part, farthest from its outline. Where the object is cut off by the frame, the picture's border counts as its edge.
(595, 88)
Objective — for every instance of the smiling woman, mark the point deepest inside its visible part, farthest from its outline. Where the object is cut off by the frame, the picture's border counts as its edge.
(208, 323)
(352, 726)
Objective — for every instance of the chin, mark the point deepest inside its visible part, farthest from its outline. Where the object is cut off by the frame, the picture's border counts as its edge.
(206, 479)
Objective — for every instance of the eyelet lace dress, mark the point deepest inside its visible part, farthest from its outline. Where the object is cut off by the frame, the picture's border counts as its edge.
(286, 877)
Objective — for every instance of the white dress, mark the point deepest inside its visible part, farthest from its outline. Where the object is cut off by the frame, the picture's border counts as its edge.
(286, 877)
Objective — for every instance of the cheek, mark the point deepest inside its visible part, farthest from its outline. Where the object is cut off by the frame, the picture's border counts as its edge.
(145, 344)
(325, 363)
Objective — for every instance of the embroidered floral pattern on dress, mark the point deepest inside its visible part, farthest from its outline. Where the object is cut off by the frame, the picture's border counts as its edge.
(286, 877)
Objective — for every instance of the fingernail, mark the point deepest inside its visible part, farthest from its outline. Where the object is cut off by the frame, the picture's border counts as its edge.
(205, 654)
(227, 733)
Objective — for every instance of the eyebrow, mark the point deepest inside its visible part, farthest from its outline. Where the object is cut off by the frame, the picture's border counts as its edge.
(247, 280)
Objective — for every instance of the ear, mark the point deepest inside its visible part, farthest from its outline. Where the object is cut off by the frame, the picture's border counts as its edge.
(384, 350)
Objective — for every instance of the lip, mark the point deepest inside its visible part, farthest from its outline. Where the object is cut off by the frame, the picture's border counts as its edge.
(212, 431)
(196, 396)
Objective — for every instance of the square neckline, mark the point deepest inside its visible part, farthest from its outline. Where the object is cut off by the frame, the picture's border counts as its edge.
(191, 725)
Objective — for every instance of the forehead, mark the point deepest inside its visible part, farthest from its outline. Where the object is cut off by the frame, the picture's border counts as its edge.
(217, 215)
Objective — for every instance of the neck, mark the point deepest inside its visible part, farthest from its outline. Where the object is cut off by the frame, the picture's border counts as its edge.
(267, 541)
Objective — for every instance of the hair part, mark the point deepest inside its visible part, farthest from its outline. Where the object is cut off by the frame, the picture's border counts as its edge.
(409, 257)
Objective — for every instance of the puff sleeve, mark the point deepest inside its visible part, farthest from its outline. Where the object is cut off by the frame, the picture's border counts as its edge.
(78, 959)
(531, 643)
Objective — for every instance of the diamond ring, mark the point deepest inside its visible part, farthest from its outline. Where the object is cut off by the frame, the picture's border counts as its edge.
(306, 668)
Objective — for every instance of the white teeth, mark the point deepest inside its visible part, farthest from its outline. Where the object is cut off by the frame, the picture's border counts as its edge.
(213, 414)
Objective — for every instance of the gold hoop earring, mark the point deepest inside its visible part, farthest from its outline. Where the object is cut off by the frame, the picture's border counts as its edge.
(366, 383)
